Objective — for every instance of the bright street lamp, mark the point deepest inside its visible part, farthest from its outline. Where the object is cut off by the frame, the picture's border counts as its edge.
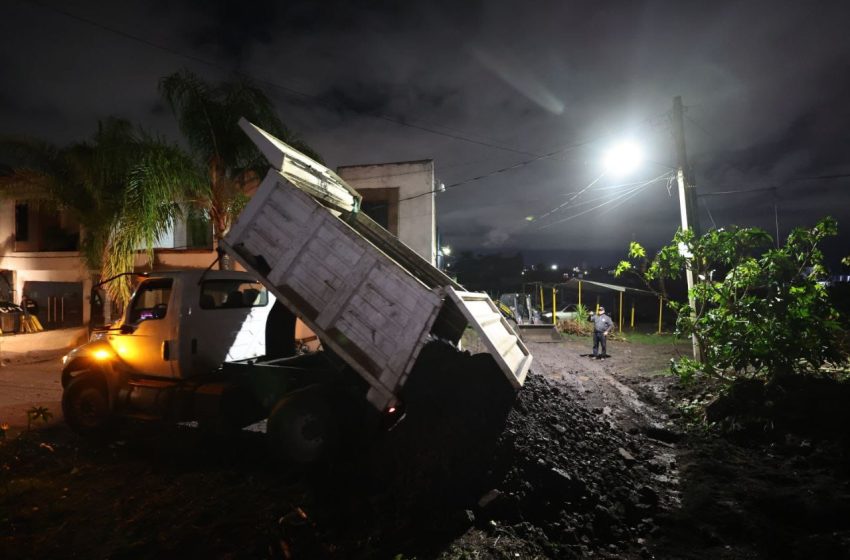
(623, 158)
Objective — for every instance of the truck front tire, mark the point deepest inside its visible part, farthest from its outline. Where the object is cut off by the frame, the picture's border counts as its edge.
(302, 430)
(85, 405)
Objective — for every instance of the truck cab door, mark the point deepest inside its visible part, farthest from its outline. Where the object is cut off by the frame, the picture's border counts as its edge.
(225, 321)
(145, 341)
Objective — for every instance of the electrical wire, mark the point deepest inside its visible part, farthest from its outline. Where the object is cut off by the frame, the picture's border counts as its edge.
(573, 197)
(516, 165)
(617, 201)
(621, 198)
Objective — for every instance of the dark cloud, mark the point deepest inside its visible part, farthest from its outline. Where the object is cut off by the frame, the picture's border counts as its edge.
(471, 84)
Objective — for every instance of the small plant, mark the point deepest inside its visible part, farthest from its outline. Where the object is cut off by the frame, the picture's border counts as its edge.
(4, 428)
(38, 413)
(578, 326)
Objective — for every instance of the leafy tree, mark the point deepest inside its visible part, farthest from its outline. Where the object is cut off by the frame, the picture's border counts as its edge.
(759, 310)
(120, 186)
(208, 117)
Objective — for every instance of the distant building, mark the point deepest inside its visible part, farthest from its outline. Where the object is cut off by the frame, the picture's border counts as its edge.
(40, 260)
(400, 197)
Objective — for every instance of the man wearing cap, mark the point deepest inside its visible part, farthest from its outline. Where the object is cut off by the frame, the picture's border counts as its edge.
(602, 325)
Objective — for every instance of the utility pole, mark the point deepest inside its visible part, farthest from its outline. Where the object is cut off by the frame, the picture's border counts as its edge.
(687, 201)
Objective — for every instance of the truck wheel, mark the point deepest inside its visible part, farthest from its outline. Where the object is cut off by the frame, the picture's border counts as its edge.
(302, 430)
(85, 405)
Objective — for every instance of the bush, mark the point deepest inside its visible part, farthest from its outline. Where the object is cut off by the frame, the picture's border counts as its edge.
(759, 310)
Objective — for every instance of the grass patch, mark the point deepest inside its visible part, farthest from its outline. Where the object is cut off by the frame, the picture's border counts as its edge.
(652, 338)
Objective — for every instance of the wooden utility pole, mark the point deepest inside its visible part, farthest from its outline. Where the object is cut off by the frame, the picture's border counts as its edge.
(687, 201)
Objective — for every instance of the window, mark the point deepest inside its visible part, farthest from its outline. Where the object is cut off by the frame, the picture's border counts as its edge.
(230, 294)
(199, 231)
(378, 211)
(151, 300)
(22, 221)
(381, 204)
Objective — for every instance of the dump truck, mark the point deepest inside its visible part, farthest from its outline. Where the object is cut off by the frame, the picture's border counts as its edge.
(218, 347)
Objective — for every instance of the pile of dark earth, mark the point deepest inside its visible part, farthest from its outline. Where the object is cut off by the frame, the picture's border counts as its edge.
(475, 463)
(770, 479)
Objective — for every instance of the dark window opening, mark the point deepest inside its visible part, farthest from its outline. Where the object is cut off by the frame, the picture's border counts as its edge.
(199, 232)
(22, 221)
(381, 204)
(378, 211)
(231, 294)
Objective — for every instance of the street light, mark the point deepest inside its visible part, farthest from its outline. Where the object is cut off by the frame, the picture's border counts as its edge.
(446, 250)
(622, 158)
(554, 267)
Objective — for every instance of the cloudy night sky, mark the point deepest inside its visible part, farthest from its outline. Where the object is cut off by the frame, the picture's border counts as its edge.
(515, 101)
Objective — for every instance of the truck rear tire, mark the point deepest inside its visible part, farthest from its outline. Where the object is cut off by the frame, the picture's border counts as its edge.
(302, 430)
(85, 405)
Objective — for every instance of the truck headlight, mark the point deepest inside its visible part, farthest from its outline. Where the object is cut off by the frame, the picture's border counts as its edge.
(102, 355)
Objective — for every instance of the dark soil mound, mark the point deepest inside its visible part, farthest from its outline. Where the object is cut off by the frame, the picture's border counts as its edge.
(536, 468)
(799, 404)
(566, 480)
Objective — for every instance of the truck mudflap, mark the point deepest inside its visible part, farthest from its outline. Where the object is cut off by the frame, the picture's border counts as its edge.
(503, 343)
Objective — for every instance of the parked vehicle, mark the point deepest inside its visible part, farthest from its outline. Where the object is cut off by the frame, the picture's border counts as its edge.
(219, 347)
(568, 313)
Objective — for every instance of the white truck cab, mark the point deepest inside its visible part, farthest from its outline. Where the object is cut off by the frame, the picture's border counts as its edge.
(183, 324)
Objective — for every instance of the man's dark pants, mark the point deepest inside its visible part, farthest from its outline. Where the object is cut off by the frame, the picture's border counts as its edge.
(599, 338)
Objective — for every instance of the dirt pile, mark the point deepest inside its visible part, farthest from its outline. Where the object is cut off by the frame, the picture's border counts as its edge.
(799, 404)
(566, 481)
(474, 462)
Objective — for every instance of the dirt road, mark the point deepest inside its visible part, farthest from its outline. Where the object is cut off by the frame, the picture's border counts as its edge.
(577, 448)
(28, 384)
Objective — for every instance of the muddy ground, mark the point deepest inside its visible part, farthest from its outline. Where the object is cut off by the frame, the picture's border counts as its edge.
(592, 460)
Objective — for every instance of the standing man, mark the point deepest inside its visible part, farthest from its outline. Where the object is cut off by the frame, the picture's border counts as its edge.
(602, 325)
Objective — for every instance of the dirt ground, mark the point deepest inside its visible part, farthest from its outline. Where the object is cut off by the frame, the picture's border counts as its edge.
(593, 461)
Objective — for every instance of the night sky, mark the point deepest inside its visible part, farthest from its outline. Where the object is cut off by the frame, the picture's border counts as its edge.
(528, 95)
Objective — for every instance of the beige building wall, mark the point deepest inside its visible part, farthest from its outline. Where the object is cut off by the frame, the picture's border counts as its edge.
(31, 266)
(407, 189)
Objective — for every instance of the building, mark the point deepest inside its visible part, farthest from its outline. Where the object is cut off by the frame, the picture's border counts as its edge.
(400, 197)
(40, 256)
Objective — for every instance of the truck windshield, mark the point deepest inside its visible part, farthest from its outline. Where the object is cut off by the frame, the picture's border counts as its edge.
(151, 300)
(229, 294)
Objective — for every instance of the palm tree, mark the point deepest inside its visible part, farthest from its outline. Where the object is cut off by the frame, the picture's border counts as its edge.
(208, 117)
(121, 187)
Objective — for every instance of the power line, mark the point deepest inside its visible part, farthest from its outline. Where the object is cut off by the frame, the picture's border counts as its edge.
(621, 198)
(509, 167)
(577, 194)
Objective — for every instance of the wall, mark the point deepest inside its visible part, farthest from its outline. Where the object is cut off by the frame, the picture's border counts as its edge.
(416, 216)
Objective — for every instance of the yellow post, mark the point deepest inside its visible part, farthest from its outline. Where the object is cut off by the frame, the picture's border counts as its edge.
(542, 306)
(621, 311)
(660, 309)
(579, 293)
(597, 305)
(554, 309)
(632, 324)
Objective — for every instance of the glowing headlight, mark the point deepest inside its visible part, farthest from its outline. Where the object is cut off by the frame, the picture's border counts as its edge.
(102, 354)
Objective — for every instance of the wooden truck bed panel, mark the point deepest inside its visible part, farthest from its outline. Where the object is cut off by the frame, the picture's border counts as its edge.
(369, 297)
(369, 309)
